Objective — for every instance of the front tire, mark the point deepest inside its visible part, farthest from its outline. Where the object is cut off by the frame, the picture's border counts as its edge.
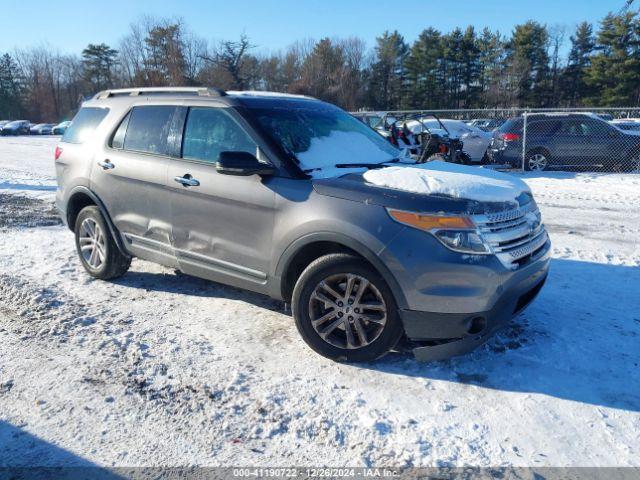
(344, 310)
(98, 252)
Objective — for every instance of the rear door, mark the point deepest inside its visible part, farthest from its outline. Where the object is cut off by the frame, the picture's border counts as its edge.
(130, 177)
(605, 141)
(575, 144)
(544, 134)
(222, 224)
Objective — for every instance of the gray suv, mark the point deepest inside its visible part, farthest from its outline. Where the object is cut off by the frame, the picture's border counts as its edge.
(265, 192)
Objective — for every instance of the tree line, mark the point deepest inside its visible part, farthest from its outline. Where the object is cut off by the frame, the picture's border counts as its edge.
(463, 68)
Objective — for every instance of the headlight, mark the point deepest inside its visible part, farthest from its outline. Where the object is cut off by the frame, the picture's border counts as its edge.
(462, 241)
(457, 233)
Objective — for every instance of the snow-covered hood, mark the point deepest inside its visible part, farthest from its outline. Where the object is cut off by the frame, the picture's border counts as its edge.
(456, 181)
(470, 190)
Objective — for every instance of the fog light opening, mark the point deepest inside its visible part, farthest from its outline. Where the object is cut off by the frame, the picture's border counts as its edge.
(477, 325)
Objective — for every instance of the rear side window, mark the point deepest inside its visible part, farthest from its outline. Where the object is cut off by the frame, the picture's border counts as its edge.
(545, 127)
(84, 124)
(210, 131)
(513, 125)
(146, 129)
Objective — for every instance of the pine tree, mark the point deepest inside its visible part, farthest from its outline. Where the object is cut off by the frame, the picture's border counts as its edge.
(491, 54)
(165, 62)
(388, 71)
(614, 72)
(574, 86)
(97, 64)
(10, 89)
(528, 64)
(426, 68)
(470, 68)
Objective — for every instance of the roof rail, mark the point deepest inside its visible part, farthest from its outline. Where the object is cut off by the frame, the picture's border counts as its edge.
(133, 92)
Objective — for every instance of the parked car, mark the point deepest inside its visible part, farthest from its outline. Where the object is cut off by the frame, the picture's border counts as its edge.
(381, 122)
(3, 123)
(486, 124)
(61, 128)
(474, 140)
(605, 116)
(558, 140)
(627, 124)
(267, 192)
(42, 129)
(17, 127)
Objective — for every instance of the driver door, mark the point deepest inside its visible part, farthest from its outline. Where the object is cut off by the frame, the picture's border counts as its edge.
(222, 224)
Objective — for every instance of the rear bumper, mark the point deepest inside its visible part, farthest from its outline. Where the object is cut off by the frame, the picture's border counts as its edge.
(511, 156)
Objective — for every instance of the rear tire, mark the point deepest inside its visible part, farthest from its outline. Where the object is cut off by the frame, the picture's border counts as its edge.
(344, 310)
(98, 252)
(537, 161)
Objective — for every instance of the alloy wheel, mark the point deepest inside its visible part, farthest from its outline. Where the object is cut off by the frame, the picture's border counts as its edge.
(92, 243)
(537, 162)
(347, 311)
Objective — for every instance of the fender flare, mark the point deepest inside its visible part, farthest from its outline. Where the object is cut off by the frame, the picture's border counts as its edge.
(105, 214)
(294, 247)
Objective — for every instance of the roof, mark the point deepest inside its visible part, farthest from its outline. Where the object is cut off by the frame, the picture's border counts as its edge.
(193, 91)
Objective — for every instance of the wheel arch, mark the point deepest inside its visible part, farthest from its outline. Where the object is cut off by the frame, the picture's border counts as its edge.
(81, 197)
(539, 149)
(310, 247)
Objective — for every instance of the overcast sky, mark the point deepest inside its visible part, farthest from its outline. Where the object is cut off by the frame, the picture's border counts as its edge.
(70, 25)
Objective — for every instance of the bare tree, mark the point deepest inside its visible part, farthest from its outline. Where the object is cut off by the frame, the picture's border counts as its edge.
(232, 57)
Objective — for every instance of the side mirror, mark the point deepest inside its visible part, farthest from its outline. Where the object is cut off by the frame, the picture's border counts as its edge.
(242, 164)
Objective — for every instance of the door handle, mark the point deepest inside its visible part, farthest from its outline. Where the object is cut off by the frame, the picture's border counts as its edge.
(187, 181)
(106, 165)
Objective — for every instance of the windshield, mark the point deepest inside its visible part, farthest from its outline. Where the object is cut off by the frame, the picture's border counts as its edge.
(321, 136)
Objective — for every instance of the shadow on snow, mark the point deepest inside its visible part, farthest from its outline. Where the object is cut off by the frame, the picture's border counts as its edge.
(579, 340)
(23, 455)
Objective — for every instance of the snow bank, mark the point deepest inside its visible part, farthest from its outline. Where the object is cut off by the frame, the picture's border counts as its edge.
(450, 179)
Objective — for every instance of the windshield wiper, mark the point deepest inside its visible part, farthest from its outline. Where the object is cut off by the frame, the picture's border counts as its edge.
(367, 165)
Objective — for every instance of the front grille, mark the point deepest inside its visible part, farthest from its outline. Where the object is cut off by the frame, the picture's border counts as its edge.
(513, 235)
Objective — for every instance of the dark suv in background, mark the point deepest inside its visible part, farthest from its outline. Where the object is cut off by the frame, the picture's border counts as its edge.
(567, 140)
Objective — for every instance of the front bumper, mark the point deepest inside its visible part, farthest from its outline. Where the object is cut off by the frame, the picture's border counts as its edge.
(452, 303)
(440, 336)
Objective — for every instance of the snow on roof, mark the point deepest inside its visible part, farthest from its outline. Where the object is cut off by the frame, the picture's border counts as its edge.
(458, 181)
(260, 93)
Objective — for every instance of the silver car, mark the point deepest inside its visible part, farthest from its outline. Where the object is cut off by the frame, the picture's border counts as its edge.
(251, 190)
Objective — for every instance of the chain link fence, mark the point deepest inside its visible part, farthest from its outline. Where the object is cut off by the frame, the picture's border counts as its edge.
(595, 139)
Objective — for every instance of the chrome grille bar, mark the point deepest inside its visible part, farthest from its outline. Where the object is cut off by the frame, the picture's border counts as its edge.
(512, 234)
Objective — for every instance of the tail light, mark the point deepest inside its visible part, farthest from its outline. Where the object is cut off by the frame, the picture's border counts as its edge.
(58, 152)
(509, 137)
(443, 148)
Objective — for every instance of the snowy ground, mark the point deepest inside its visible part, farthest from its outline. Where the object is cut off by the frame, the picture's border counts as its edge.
(162, 369)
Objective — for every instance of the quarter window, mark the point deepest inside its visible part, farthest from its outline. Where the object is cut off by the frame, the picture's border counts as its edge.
(210, 131)
(118, 138)
(147, 130)
(84, 124)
